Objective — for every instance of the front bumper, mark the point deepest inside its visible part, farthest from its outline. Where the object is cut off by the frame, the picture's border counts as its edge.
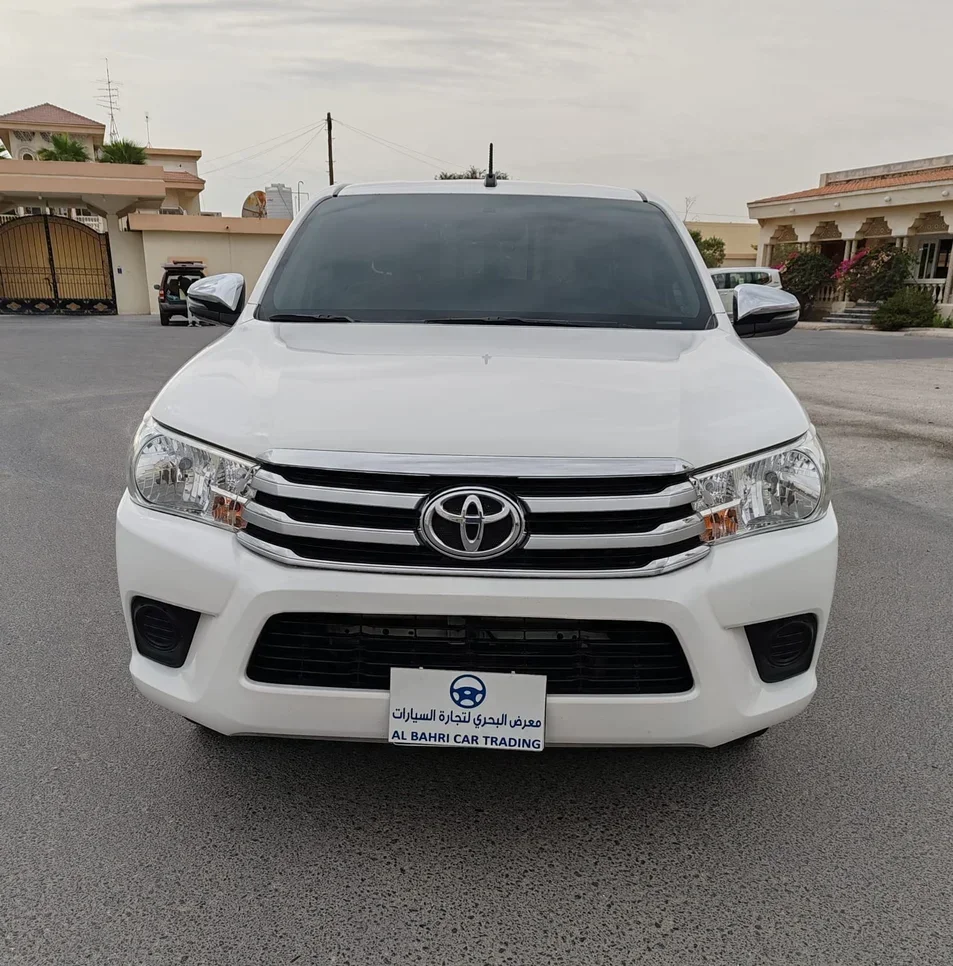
(707, 604)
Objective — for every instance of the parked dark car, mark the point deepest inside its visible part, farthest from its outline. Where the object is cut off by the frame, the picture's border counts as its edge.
(176, 279)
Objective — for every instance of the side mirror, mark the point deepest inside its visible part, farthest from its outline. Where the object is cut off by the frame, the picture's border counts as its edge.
(157, 287)
(761, 311)
(218, 298)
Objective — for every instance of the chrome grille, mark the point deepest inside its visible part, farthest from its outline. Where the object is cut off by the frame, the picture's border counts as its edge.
(584, 518)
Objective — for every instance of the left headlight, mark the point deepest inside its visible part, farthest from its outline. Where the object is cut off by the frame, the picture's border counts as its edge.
(782, 488)
(178, 475)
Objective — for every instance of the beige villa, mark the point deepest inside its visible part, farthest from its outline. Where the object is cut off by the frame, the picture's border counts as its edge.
(909, 204)
(91, 237)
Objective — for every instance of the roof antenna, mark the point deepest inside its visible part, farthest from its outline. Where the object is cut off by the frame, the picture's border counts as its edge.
(490, 180)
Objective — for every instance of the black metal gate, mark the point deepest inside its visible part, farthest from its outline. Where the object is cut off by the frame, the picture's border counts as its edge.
(51, 265)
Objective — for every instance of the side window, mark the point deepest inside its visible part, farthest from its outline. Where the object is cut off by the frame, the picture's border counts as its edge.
(721, 281)
(737, 278)
(760, 278)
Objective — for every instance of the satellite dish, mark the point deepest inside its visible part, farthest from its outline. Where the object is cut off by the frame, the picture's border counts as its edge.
(256, 205)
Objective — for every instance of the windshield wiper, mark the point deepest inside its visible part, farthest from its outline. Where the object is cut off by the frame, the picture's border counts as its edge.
(292, 317)
(516, 320)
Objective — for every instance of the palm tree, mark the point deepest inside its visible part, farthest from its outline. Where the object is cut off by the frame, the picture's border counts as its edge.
(64, 148)
(123, 152)
(4, 153)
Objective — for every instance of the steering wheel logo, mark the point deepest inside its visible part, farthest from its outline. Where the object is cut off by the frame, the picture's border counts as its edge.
(467, 691)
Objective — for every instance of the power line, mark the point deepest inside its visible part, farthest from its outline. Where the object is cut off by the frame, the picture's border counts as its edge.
(248, 147)
(403, 149)
(281, 164)
(289, 161)
(718, 214)
(280, 144)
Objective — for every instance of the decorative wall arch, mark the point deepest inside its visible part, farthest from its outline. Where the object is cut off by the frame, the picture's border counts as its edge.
(826, 231)
(929, 223)
(875, 227)
(783, 234)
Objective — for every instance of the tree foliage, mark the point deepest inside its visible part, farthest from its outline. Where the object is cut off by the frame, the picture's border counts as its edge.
(123, 152)
(473, 173)
(803, 274)
(874, 276)
(4, 153)
(712, 248)
(64, 148)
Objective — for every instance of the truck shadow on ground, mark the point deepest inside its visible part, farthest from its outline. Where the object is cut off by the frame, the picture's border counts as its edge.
(377, 796)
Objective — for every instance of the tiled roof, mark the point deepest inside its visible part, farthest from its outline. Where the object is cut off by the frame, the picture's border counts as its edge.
(43, 114)
(866, 184)
(182, 177)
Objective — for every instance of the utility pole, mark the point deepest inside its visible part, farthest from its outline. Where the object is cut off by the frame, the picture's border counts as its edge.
(330, 153)
(148, 134)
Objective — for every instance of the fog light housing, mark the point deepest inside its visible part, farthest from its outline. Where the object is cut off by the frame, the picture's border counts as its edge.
(163, 632)
(783, 648)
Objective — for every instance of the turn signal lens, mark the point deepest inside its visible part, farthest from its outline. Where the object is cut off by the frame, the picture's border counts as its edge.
(720, 523)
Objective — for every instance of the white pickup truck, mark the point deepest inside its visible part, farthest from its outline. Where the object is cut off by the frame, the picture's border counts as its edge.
(481, 464)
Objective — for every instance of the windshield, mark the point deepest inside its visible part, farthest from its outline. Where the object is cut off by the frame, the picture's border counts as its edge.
(417, 257)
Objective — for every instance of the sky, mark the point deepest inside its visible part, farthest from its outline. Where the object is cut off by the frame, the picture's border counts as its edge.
(720, 102)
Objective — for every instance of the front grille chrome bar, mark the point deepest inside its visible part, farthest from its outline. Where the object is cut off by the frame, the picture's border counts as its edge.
(680, 493)
(278, 486)
(279, 522)
(661, 536)
(663, 565)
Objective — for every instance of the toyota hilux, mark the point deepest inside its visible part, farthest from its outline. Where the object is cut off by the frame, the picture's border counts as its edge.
(480, 464)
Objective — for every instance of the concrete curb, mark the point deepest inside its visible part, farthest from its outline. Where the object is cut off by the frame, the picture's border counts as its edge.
(854, 327)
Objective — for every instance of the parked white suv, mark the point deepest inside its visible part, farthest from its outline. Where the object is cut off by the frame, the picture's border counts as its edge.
(728, 279)
(480, 464)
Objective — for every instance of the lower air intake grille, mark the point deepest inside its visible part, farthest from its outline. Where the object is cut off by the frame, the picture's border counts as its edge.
(357, 651)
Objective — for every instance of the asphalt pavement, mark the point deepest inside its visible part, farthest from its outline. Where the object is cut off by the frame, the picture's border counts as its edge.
(127, 837)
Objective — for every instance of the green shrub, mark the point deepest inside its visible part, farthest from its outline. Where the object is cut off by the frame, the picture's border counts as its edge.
(912, 307)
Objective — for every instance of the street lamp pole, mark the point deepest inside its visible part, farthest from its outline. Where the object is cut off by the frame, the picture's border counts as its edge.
(300, 183)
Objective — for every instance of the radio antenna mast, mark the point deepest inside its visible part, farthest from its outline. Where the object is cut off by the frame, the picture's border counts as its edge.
(490, 180)
(109, 98)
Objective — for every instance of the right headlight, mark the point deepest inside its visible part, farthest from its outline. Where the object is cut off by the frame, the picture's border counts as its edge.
(179, 475)
(786, 487)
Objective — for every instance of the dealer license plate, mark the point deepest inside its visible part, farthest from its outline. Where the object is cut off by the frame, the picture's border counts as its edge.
(467, 709)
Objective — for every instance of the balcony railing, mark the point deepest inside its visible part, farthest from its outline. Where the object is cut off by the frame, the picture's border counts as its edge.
(94, 221)
(935, 286)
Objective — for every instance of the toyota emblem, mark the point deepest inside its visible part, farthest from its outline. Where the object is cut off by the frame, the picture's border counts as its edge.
(472, 523)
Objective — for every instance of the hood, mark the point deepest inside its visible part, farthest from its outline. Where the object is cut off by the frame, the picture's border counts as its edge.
(473, 390)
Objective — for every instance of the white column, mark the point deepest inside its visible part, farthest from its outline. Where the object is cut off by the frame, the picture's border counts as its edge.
(129, 268)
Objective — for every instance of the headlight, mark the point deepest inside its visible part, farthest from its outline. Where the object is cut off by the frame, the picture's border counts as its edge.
(784, 488)
(178, 475)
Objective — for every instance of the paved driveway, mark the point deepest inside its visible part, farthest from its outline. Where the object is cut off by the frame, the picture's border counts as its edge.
(127, 838)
